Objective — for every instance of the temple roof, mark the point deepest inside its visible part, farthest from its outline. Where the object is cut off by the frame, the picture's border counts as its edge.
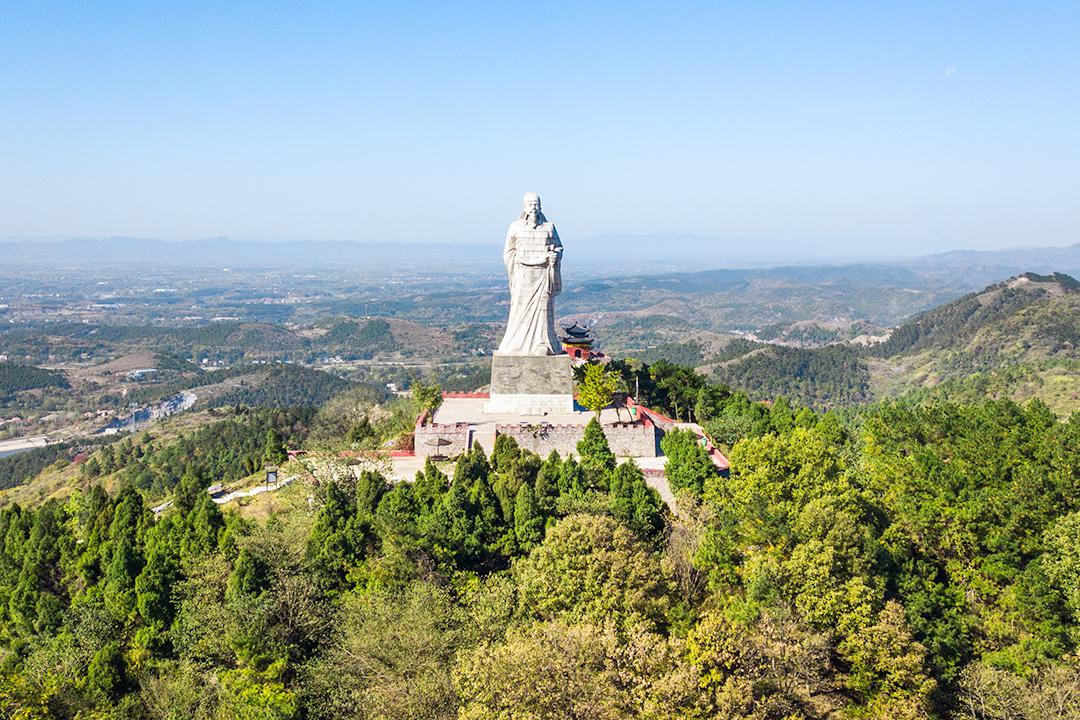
(577, 335)
(576, 330)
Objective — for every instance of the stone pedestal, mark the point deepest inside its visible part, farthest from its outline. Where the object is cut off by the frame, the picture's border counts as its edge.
(531, 385)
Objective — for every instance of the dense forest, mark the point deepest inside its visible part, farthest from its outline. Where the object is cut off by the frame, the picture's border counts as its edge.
(954, 323)
(905, 560)
(363, 339)
(15, 378)
(825, 377)
(222, 451)
(1020, 335)
(283, 385)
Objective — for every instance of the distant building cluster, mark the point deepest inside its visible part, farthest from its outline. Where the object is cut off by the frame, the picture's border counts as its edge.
(141, 374)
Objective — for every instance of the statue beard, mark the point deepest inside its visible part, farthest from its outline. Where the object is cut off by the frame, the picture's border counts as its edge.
(533, 218)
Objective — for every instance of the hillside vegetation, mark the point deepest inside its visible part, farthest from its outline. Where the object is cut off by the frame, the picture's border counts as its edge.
(905, 561)
(1023, 314)
(1019, 338)
(15, 378)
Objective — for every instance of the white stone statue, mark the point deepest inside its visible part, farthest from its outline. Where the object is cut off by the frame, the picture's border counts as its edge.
(533, 258)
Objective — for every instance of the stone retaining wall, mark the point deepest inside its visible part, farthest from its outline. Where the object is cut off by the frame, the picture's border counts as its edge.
(455, 436)
(639, 439)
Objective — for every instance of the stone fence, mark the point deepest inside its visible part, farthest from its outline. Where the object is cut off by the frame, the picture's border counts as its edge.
(441, 440)
(636, 439)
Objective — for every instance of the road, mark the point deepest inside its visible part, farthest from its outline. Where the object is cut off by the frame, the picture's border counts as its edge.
(236, 494)
(16, 445)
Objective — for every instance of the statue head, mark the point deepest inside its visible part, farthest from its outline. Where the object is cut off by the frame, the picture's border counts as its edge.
(530, 210)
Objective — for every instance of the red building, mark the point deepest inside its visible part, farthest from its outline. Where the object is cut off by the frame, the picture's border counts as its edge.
(577, 341)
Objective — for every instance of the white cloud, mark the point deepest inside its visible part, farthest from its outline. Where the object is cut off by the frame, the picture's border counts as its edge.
(951, 71)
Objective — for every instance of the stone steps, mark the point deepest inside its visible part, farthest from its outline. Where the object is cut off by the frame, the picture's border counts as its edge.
(486, 440)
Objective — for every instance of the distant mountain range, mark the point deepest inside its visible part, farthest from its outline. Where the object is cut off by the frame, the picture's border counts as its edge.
(214, 252)
(640, 254)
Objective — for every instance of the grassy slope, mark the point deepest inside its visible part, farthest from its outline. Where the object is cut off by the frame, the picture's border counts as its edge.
(62, 478)
(1017, 339)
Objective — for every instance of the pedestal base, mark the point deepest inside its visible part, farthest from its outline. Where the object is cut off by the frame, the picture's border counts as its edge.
(529, 404)
(531, 385)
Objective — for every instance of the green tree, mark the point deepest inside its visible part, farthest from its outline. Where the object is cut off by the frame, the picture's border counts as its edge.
(547, 483)
(506, 451)
(597, 387)
(248, 695)
(471, 466)
(390, 658)
(593, 569)
(676, 387)
(711, 401)
(249, 576)
(771, 664)
(105, 674)
(360, 432)
(1062, 559)
(334, 544)
(273, 448)
(559, 670)
(528, 520)
(154, 585)
(427, 397)
(635, 503)
(594, 450)
(429, 486)
(688, 465)
(888, 667)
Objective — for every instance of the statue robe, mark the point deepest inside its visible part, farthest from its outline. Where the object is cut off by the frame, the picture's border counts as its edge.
(535, 280)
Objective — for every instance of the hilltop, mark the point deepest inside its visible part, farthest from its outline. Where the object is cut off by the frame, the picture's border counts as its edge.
(1018, 338)
(1028, 306)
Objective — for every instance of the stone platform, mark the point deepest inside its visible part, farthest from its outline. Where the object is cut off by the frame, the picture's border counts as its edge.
(463, 422)
(531, 385)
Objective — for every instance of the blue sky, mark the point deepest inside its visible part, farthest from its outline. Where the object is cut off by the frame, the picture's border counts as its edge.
(842, 127)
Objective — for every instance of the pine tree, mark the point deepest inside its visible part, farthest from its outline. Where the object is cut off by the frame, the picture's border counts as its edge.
(471, 466)
(154, 585)
(504, 454)
(249, 577)
(370, 487)
(273, 448)
(571, 477)
(528, 520)
(120, 573)
(361, 431)
(486, 512)
(634, 502)
(203, 524)
(688, 465)
(430, 485)
(547, 483)
(332, 546)
(397, 515)
(106, 672)
(596, 457)
(506, 487)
